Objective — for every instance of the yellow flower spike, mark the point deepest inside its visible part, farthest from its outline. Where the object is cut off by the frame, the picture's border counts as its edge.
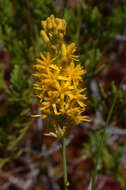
(44, 36)
(58, 78)
(58, 85)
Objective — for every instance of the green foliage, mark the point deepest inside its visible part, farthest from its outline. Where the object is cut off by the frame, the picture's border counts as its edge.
(111, 160)
(118, 19)
(3, 85)
(103, 103)
(90, 148)
(17, 78)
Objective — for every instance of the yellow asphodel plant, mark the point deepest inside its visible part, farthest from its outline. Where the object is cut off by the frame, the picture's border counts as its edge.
(58, 78)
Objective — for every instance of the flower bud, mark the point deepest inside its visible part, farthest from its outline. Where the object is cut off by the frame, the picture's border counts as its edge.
(44, 36)
(63, 49)
(44, 24)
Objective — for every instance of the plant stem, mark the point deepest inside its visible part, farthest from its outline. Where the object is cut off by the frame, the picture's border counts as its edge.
(102, 143)
(78, 24)
(64, 163)
(64, 3)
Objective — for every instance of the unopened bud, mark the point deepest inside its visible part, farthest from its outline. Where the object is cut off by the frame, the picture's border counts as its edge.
(44, 24)
(44, 36)
(63, 49)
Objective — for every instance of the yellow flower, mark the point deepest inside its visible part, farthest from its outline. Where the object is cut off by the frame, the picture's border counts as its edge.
(68, 52)
(58, 78)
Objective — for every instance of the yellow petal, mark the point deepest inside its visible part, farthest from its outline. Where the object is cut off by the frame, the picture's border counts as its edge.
(34, 116)
(80, 103)
(51, 134)
(54, 67)
(55, 109)
(62, 78)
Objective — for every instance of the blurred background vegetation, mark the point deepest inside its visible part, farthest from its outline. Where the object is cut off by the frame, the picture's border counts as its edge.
(28, 160)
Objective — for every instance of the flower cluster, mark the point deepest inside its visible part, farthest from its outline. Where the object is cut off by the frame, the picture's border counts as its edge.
(53, 29)
(58, 75)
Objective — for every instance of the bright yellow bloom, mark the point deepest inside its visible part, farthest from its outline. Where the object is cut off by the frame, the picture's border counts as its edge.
(58, 80)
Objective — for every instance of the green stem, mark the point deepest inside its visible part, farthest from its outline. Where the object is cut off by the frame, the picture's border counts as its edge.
(78, 24)
(64, 163)
(102, 143)
(64, 3)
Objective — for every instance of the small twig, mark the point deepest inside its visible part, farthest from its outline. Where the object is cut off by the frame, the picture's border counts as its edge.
(13, 180)
(111, 129)
(102, 183)
(29, 21)
(120, 38)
